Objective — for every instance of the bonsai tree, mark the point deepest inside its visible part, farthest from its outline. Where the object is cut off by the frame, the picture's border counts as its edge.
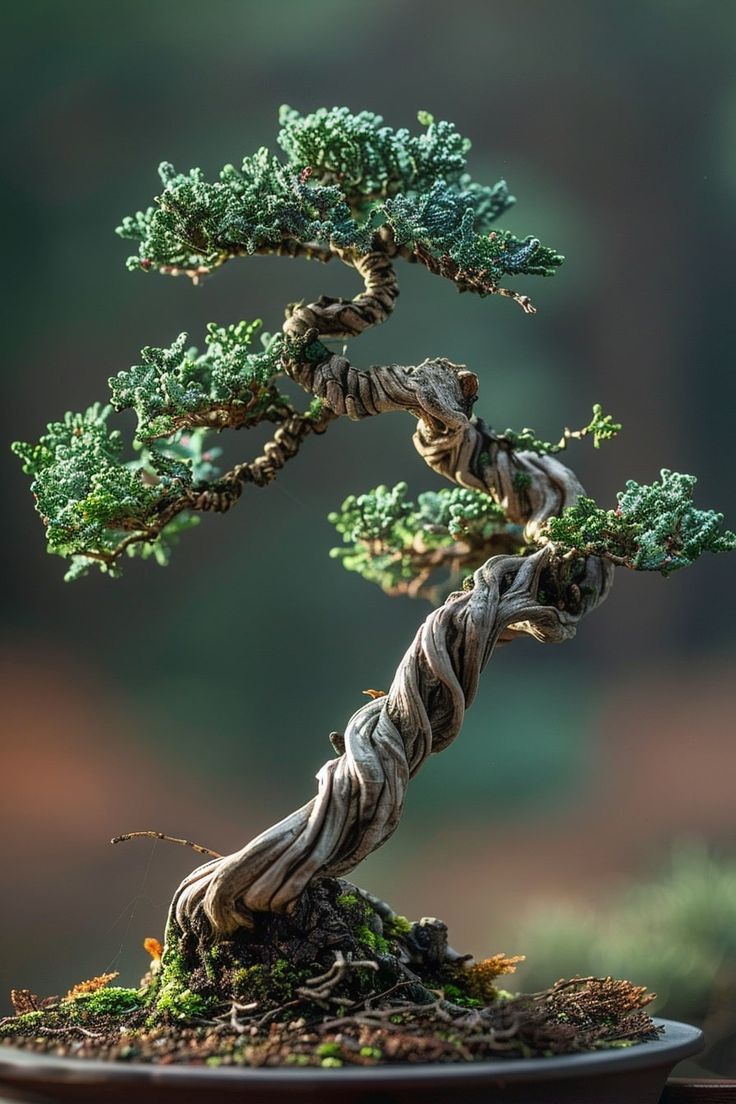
(272, 935)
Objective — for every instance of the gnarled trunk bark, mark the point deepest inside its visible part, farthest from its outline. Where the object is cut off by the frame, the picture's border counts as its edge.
(361, 793)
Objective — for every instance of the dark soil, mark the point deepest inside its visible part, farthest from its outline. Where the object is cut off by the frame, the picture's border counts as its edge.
(342, 981)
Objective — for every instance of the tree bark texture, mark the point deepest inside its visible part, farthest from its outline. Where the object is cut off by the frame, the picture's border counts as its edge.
(361, 793)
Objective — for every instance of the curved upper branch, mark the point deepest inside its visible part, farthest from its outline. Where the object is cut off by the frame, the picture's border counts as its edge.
(343, 318)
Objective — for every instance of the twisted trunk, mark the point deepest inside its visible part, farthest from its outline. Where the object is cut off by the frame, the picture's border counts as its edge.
(361, 793)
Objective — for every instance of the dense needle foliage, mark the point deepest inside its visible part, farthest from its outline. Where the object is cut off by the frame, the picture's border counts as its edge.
(344, 185)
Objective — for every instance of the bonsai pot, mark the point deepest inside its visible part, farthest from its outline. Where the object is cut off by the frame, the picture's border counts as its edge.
(634, 1075)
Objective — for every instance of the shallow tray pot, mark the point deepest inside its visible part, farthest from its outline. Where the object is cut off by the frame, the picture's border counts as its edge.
(632, 1075)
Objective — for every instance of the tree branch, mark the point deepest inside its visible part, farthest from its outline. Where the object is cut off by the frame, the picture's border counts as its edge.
(220, 497)
(361, 793)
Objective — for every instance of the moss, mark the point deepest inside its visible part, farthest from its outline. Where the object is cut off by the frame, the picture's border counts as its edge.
(363, 921)
(331, 1063)
(182, 1004)
(377, 943)
(250, 983)
(398, 925)
(297, 1059)
(75, 1011)
(113, 1001)
(19, 1025)
(171, 993)
(274, 984)
(315, 409)
(455, 994)
(370, 1052)
(283, 973)
(209, 961)
(328, 1050)
(350, 900)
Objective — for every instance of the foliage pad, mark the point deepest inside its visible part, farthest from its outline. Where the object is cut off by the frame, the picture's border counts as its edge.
(390, 539)
(345, 175)
(655, 527)
(84, 490)
(344, 184)
(174, 385)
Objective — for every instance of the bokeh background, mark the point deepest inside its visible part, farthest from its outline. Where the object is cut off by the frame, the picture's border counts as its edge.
(586, 816)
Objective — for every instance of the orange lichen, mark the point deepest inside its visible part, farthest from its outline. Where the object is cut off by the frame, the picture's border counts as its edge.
(153, 947)
(480, 977)
(91, 986)
(375, 693)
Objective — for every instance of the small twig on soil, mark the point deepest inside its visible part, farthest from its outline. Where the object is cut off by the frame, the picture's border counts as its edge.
(70, 1027)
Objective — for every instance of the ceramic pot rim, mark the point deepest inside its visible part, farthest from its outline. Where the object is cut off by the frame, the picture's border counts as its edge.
(678, 1041)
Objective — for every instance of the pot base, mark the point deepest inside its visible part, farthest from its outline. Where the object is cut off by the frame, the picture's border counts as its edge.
(635, 1075)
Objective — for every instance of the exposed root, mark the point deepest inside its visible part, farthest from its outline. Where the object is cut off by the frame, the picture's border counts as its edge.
(320, 989)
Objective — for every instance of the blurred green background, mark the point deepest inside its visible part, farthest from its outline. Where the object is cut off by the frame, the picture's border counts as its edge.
(197, 699)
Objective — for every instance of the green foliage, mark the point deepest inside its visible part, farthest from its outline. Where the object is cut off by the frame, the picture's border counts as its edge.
(585, 527)
(95, 502)
(199, 224)
(601, 427)
(388, 536)
(345, 175)
(371, 161)
(655, 527)
(444, 221)
(87, 494)
(174, 385)
(674, 533)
